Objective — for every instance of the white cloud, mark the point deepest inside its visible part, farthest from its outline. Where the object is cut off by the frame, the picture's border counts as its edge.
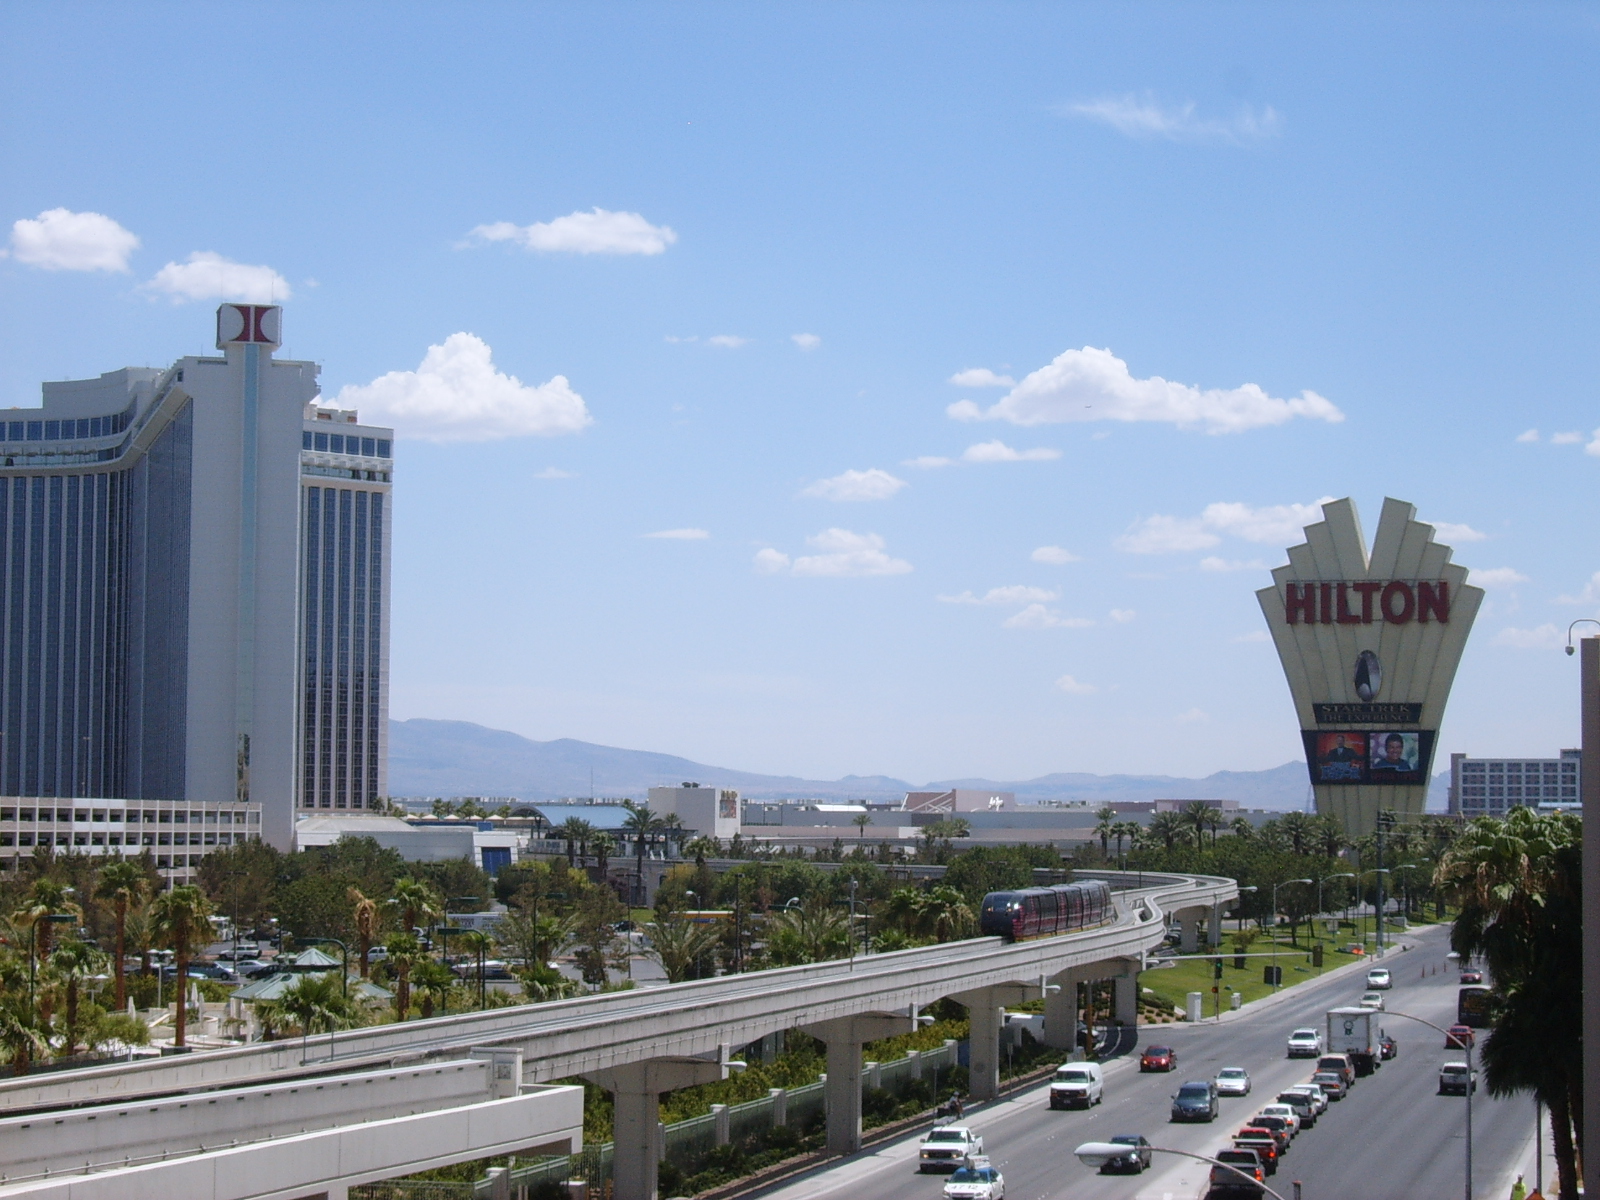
(1278, 524)
(1259, 635)
(1449, 531)
(1530, 435)
(728, 341)
(806, 341)
(842, 554)
(596, 232)
(1213, 563)
(998, 452)
(872, 484)
(928, 462)
(1072, 687)
(1054, 555)
(457, 395)
(554, 473)
(1195, 716)
(1015, 594)
(1037, 616)
(1498, 577)
(1545, 637)
(675, 340)
(679, 535)
(1589, 595)
(981, 377)
(59, 239)
(208, 276)
(1570, 438)
(1123, 615)
(1095, 385)
(1145, 117)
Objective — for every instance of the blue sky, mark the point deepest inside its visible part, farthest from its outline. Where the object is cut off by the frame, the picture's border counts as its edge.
(756, 244)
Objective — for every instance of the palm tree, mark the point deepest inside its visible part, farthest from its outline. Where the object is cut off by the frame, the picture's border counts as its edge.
(945, 913)
(432, 980)
(1125, 830)
(417, 901)
(365, 917)
(1299, 829)
(405, 953)
(72, 962)
(315, 1000)
(180, 919)
(1106, 817)
(125, 884)
(902, 910)
(861, 821)
(681, 946)
(45, 898)
(1168, 827)
(21, 1031)
(1519, 883)
(1242, 828)
(643, 825)
(1329, 835)
(478, 944)
(572, 831)
(603, 845)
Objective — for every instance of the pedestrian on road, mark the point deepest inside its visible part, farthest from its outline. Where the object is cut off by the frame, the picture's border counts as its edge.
(1519, 1190)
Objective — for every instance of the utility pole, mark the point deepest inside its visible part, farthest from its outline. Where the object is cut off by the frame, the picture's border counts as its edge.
(1385, 819)
(1589, 775)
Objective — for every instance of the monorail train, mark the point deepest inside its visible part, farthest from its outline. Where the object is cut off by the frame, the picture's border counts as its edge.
(1042, 912)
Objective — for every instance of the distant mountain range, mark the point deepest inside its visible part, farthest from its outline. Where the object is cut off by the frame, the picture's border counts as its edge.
(458, 758)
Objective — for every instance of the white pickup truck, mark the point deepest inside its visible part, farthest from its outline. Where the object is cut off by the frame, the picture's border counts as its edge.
(948, 1148)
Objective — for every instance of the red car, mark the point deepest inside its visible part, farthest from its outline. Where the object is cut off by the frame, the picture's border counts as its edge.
(1460, 1036)
(1471, 976)
(1158, 1058)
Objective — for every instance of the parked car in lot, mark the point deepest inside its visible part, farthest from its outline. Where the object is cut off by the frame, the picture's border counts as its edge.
(980, 1181)
(1453, 1079)
(1332, 1084)
(1305, 1043)
(1304, 1106)
(1387, 1047)
(1378, 979)
(1340, 1063)
(1233, 1081)
(1460, 1037)
(1312, 1092)
(947, 1147)
(1263, 1143)
(1245, 1179)
(1135, 1161)
(1077, 1085)
(1196, 1101)
(1373, 1000)
(1159, 1058)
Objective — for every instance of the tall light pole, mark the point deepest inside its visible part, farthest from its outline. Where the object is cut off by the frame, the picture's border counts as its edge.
(1405, 894)
(1589, 789)
(1450, 1038)
(1380, 872)
(1323, 880)
(1276, 978)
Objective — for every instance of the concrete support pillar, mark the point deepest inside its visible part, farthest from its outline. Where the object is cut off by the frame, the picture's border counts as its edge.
(1214, 924)
(636, 1090)
(499, 1183)
(780, 1105)
(721, 1124)
(1061, 1010)
(1189, 930)
(1126, 992)
(844, 1037)
(984, 1012)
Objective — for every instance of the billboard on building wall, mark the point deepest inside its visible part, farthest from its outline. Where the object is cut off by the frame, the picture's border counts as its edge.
(1369, 643)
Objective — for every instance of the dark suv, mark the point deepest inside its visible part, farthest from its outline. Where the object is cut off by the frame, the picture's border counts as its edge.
(1195, 1101)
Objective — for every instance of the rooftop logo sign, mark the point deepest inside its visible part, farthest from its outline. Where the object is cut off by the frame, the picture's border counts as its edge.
(258, 323)
(1369, 645)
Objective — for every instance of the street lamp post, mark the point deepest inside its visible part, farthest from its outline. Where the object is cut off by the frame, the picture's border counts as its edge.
(1098, 1154)
(1405, 892)
(1276, 978)
(1324, 879)
(344, 957)
(1376, 920)
(1471, 1083)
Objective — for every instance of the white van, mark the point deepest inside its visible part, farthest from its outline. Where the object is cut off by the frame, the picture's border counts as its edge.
(1077, 1085)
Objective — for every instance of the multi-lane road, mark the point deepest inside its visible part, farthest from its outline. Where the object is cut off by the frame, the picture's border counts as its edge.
(1391, 1138)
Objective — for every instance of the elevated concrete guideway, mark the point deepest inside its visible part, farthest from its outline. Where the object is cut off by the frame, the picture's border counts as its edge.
(638, 1044)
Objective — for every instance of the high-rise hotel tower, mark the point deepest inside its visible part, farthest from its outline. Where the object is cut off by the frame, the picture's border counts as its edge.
(194, 601)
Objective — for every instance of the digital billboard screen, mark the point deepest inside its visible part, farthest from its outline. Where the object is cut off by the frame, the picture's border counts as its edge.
(1383, 756)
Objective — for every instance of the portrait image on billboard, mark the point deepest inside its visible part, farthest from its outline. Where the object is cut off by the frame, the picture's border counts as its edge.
(1396, 756)
(1339, 758)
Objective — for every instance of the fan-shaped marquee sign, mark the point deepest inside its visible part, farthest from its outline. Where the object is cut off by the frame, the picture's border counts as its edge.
(1370, 647)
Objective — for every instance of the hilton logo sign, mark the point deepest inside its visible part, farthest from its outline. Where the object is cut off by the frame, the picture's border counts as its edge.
(1369, 645)
(258, 323)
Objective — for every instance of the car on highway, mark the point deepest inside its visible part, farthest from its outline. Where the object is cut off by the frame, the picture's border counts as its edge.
(948, 1147)
(1471, 975)
(1263, 1143)
(1305, 1043)
(1332, 1084)
(1318, 1097)
(1158, 1058)
(1453, 1079)
(1135, 1161)
(1304, 1106)
(1372, 1000)
(1275, 1125)
(1387, 1047)
(1233, 1081)
(979, 1181)
(1379, 979)
(1246, 1178)
(1077, 1085)
(1460, 1037)
(1340, 1063)
(1196, 1100)
(1288, 1112)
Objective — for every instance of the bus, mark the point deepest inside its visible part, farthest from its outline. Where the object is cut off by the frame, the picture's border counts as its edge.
(1472, 1006)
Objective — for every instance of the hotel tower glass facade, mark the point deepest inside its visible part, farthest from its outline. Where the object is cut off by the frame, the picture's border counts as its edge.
(194, 587)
